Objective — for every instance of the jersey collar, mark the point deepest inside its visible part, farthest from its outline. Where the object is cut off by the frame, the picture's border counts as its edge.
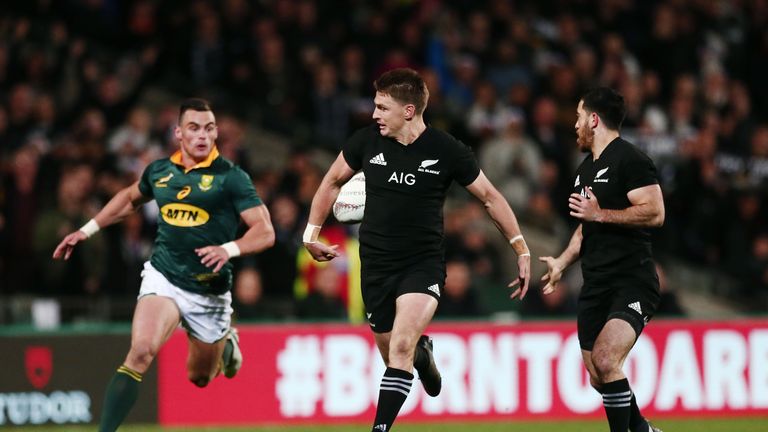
(176, 159)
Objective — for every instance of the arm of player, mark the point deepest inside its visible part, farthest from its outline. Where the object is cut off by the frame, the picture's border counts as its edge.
(259, 236)
(556, 266)
(646, 211)
(122, 204)
(326, 194)
(504, 218)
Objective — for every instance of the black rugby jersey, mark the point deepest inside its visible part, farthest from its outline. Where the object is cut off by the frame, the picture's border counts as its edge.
(405, 189)
(609, 249)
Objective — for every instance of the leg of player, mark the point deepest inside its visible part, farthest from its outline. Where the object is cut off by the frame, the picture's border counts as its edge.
(413, 312)
(154, 320)
(604, 364)
(204, 360)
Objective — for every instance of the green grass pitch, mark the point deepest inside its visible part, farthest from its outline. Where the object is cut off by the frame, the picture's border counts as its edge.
(751, 424)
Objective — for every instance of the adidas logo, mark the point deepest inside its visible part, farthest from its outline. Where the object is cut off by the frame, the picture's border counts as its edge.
(435, 289)
(378, 160)
(636, 307)
(577, 182)
(382, 427)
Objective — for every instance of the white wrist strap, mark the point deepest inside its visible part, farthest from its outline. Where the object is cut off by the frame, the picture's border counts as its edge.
(311, 233)
(90, 228)
(518, 238)
(232, 249)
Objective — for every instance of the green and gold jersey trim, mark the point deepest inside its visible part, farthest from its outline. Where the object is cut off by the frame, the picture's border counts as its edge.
(176, 159)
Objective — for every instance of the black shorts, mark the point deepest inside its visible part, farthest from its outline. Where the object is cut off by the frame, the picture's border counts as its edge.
(633, 299)
(381, 290)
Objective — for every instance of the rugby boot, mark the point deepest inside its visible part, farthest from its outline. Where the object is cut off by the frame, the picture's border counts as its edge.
(235, 361)
(424, 362)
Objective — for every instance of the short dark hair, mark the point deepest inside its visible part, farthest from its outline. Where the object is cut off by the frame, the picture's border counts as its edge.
(406, 86)
(194, 104)
(608, 104)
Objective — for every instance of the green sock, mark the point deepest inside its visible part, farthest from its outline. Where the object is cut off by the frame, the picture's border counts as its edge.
(122, 392)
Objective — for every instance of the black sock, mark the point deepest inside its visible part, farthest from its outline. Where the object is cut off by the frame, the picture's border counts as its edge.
(637, 423)
(616, 400)
(393, 391)
(122, 392)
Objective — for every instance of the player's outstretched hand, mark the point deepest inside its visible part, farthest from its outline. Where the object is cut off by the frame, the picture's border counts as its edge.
(553, 274)
(322, 252)
(213, 256)
(67, 245)
(523, 277)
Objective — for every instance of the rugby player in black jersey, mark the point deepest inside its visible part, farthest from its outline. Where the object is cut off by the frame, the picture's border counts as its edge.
(617, 198)
(408, 167)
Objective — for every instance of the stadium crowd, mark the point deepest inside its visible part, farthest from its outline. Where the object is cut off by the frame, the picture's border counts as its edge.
(89, 93)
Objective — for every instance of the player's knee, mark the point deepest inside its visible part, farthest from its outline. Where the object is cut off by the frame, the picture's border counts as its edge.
(401, 350)
(595, 382)
(605, 365)
(142, 354)
(199, 380)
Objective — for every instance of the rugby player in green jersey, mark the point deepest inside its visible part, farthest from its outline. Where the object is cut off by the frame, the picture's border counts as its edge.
(201, 197)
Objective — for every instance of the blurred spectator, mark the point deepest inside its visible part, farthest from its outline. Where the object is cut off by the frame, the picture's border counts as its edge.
(488, 116)
(511, 160)
(93, 84)
(247, 294)
(459, 299)
(19, 208)
(669, 305)
(324, 301)
(560, 303)
(82, 273)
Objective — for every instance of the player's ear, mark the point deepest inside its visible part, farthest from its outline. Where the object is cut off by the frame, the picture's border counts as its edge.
(177, 132)
(595, 120)
(410, 111)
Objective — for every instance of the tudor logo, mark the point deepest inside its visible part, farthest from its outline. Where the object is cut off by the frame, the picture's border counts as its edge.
(38, 362)
(184, 215)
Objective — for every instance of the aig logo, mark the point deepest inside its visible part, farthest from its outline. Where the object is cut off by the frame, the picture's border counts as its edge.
(400, 178)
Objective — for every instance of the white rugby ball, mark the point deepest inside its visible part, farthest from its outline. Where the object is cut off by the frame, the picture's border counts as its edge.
(350, 204)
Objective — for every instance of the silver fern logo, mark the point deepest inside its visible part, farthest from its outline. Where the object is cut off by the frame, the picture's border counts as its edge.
(428, 163)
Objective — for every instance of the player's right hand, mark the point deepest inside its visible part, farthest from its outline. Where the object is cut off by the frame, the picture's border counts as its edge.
(322, 252)
(553, 274)
(65, 248)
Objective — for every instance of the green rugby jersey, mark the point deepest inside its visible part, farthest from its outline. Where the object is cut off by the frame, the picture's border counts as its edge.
(199, 207)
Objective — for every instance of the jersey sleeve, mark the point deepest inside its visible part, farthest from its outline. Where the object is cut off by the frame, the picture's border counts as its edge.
(639, 171)
(465, 167)
(145, 183)
(353, 149)
(241, 189)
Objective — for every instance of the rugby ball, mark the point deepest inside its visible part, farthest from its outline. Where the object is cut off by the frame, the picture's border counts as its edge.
(350, 204)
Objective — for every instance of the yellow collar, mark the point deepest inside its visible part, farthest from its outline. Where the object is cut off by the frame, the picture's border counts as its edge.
(176, 158)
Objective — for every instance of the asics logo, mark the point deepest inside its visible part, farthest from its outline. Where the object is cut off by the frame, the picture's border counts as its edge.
(378, 160)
